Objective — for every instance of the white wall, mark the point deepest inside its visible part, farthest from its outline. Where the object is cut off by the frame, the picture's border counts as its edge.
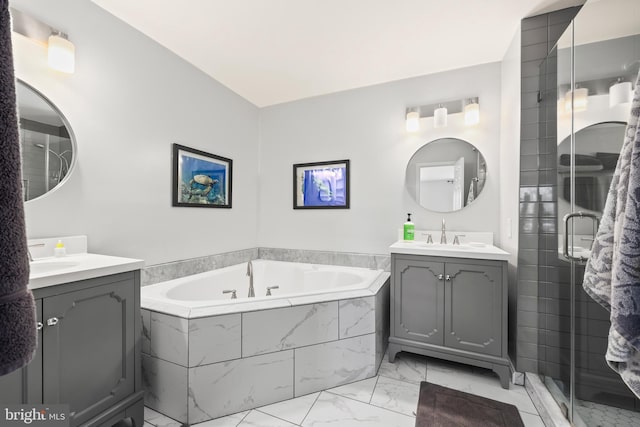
(510, 150)
(367, 126)
(128, 101)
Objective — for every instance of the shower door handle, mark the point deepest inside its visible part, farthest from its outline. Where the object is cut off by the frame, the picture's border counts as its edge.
(596, 224)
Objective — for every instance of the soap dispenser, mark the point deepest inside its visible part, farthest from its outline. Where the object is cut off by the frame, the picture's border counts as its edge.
(59, 250)
(409, 229)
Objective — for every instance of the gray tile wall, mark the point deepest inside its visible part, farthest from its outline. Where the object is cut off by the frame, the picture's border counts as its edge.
(538, 202)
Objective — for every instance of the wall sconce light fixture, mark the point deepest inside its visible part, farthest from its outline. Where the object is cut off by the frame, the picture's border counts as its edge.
(472, 112)
(620, 92)
(580, 99)
(440, 117)
(60, 51)
(413, 119)
(440, 113)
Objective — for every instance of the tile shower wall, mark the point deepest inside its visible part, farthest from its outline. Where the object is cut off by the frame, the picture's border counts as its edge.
(203, 368)
(538, 224)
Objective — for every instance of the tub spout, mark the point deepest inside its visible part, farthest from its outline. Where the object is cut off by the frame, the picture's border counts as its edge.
(252, 293)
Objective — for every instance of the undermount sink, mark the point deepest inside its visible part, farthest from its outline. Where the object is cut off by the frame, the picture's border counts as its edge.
(442, 246)
(48, 266)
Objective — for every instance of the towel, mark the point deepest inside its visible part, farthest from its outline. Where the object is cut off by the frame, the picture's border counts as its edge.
(612, 274)
(17, 309)
(471, 196)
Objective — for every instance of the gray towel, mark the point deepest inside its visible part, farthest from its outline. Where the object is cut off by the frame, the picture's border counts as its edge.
(17, 309)
(612, 275)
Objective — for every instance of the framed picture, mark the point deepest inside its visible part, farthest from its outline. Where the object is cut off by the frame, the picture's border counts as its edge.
(201, 180)
(321, 185)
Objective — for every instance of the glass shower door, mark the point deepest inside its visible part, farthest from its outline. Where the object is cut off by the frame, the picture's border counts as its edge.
(601, 48)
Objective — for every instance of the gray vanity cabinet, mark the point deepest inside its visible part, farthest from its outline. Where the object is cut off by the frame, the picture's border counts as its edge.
(88, 354)
(473, 299)
(450, 308)
(419, 301)
(89, 351)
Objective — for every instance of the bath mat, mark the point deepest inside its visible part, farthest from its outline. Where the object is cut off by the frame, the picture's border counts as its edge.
(444, 407)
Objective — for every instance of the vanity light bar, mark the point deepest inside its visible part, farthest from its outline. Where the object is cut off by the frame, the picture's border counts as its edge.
(439, 112)
(60, 51)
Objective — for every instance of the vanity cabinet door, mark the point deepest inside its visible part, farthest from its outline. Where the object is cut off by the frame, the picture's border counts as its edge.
(25, 385)
(473, 299)
(418, 298)
(89, 348)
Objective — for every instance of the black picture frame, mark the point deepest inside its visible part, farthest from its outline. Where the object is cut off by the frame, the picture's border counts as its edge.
(321, 185)
(201, 179)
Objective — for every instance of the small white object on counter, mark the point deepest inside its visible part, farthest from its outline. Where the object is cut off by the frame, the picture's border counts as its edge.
(59, 250)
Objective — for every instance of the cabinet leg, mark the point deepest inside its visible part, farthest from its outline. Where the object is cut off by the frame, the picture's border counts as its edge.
(505, 375)
(393, 350)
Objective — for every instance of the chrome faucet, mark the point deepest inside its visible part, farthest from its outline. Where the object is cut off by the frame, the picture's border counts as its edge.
(252, 293)
(443, 236)
(456, 239)
(34, 245)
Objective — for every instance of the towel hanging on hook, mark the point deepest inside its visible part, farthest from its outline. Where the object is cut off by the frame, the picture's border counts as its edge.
(612, 273)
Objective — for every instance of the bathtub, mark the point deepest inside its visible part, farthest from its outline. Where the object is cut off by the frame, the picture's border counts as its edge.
(206, 355)
(202, 294)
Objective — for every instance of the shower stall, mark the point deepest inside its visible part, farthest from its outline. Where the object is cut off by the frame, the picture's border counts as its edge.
(585, 84)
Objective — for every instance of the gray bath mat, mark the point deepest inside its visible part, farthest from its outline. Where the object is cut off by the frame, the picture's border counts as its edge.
(443, 407)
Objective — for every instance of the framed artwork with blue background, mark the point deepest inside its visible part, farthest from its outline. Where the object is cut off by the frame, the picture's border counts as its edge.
(321, 185)
(200, 179)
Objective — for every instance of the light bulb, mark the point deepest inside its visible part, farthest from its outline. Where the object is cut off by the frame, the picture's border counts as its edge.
(472, 113)
(620, 93)
(413, 121)
(440, 117)
(61, 53)
(580, 100)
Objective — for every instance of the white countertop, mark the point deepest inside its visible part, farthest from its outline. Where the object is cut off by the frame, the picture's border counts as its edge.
(465, 250)
(55, 271)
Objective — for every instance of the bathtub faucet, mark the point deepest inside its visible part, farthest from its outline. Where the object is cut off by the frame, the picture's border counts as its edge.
(252, 293)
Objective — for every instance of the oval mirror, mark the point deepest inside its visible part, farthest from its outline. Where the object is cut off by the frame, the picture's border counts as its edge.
(446, 175)
(48, 145)
(597, 148)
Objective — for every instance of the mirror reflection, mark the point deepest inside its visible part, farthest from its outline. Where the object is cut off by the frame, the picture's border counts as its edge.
(446, 175)
(597, 149)
(47, 144)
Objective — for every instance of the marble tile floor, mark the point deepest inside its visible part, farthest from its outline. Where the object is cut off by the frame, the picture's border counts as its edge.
(386, 400)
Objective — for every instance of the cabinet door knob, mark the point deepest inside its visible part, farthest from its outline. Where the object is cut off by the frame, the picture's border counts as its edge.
(39, 326)
(448, 278)
(440, 276)
(52, 321)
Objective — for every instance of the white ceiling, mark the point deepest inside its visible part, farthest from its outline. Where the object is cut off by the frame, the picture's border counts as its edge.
(274, 51)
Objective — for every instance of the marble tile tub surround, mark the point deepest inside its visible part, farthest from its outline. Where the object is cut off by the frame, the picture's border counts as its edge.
(174, 270)
(345, 259)
(202, 368)
(386, 400)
